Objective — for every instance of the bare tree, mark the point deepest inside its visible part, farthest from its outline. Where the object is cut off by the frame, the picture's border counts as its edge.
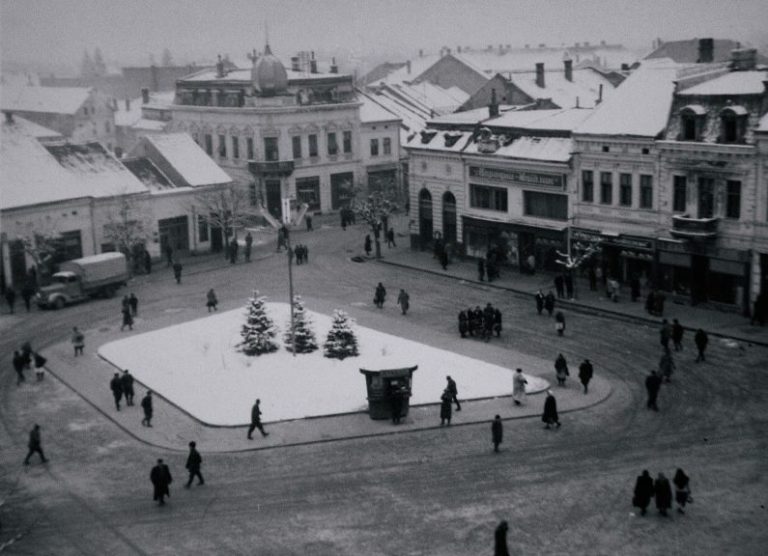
(128, 229)
(578, 254)
(224, 208)
(375, 208)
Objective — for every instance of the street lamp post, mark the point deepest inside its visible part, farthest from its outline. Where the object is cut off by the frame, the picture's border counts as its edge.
(287, 234)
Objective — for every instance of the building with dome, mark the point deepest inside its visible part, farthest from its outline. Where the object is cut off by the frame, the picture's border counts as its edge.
(285, 132)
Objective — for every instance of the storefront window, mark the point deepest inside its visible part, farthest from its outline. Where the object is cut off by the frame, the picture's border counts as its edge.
(489, 198)
(308, 191)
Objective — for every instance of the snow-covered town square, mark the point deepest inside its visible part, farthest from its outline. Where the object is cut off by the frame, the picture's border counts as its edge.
(394, 279)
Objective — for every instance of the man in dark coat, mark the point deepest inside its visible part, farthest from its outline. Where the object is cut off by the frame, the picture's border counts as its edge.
(146, 405)
(463, 324)
(701, 340)
(549, 302)
(446, 408)
(380, 295)
(116, 385)
(169, 254)
(643, 492)
(497, 432)
(194, 461)
(539, 301)
(677, 334)
(396, 404)
(127, 318)
(177, 267)
(480, 269)
(367, 245)
(133, 301)
(233, 246)
(147, 262)
(663, 491)
(35, 445)
(18, 366)
(550, 411)
(161, 480)
(453, 391)
(489, 316)
(256, 421)
(561, 369)
(497, 322)
(500, 547)
(665, 334)
(652, 385)
(560, 286)
(391, 238)
(249, 241)
(585, 374)
(477, 321)
(127, 382)
(560, 323)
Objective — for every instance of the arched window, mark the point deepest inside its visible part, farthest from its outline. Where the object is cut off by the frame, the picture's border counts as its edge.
(733, 124)
(449, 217)
(692, 118)
(425, 216)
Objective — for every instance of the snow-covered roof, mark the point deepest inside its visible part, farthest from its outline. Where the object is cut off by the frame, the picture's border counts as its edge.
(188, 159)
(474, 116)
(403, 75)
(149, 174)
(35, 130)
(241, 75)
(371, 111)
(54, 100)
(438, 140)
(733, 83)
(128, 117)
(549, 149)
(552, 120)
(584, 89)
(515, 60)
(149, 125)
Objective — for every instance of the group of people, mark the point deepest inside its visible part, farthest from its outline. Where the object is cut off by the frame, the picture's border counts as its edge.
(27, 293)
(233, 247)
(301, 252)
(161, 478)
(23, 359)
(380, 296)
(447, 399)
(489, 267)
(482, 323)
(660, 490)
(122, 386)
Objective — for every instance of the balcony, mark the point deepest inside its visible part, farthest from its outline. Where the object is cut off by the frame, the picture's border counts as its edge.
(685, 227)
(271, 168)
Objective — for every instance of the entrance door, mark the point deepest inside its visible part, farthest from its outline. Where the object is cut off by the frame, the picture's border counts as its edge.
(425, 217)
(174, 232)
(699, 269)
(274, 198)
(217, 239)
(449, 218)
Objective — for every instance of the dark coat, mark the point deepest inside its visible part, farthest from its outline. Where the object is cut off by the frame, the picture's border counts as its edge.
(146, 404)
(663, 492)
(550, 410)
(677, 332)
(380, 295)
(116, 385)
(127, 382)
(161, 480)
(255, 414)
(194, 460)
(701, 340)
(539, 301)
(452, 389)
(549, 302)
(497, 431)
(127, 318)
(463, 324)
(34, 439)
(446, 407)
(585, 372)
(653, 383)
(643, 491)
(500, 547)
(561, 366)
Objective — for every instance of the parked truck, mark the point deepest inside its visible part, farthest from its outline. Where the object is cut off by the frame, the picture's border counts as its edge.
(80, 279)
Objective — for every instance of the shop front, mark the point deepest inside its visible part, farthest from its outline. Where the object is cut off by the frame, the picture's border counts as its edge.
(621, 256)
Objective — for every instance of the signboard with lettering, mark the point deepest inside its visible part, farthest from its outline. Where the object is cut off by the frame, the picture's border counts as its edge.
(504, 175)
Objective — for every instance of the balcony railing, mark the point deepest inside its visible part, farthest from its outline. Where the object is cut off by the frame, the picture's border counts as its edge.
(271, 168)
(685, 227)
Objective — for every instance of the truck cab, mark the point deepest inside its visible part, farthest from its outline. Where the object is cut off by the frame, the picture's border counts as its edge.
(65, 289)
(81, 278)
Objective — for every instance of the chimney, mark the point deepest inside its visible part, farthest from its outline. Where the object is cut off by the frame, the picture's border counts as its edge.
(577, 102)
(625, 67)
(408, 67)
(706, 51)
(540, 74)
(144, 95)
(334, 67)
(312, 63)
(599, 95)
(127, 105)
(295, 63)
(220, 67)
(8, 117)
(568, 66)
(743, 59)
(493, 107)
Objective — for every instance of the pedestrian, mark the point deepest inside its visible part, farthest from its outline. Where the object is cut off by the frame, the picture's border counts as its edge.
(146, 405)
(18, 366)
(489, 316)
(78, 341)
(256, 421)
(367, 245)
(249, 244)
(497, 322)
(549, 302)
(650, 303)
(549, 416)
(444, 259)
(161, 481)
(480, 269)
(446, 408)
(677, 334)
(643, 492)
(463, 323)
(233, 246)
(682, 490)
(560, 323)
(127, 319)
(40, 362)
(569, 285)
(35, 445)
(308, 220)
(518, 387)
(560, 286)
(10, 297)
(177, 268)
(343, 215)
(453, 391)
(211, 301)
(126, 302)
(663, 492)
(403, 299)
(701, 339)
(561, 369)
(127, 382)
(497, 432)
(500, 547)
(380, 296)
(169, 254)
(133, 301)
(585, 374)
(539, 301)
(396, 403)
(665, 333)
(391, 238)
(666, 366)
(27, 292)
(304, 254)
(116, 385)
(26, 355)
(652, 386)
(147, 262)
(194, 461)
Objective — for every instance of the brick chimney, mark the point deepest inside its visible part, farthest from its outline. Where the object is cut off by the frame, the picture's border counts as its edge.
(127, 105)
(295, 63)
(493, 107)
(568, 67)
(144, 95)
(540, 74)
(220, 67)
(312, 63)
(599, 95)
(334, 67)
(706, 51)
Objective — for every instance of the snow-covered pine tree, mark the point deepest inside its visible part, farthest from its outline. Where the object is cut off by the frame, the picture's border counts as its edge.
(258, 331)
(304, 335)
(341, 341)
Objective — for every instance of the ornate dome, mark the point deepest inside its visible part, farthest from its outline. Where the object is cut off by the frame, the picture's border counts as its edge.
(268, 74)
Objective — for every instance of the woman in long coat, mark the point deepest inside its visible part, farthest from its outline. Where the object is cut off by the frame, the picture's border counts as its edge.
(380, 295)
(127, 318)
(663, 492)
(446, 407)
(518, 387)
(682, 489)
(561, 368)
(643, 492)
(161, 480)
(550, 411)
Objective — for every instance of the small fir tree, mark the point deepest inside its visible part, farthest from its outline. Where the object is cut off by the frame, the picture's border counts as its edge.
(258, 331)
(341, 341)
(302, 331)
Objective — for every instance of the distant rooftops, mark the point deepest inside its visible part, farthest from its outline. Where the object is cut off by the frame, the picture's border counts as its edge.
(53, 100)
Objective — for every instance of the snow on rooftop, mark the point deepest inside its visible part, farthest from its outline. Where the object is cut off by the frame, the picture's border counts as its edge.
(584, 89)
(54, 100)
(188, 159)
(473, 116)
(438, 140)
(560, 120)
(733, 83)
(149, 125)
(35, 130)
(550, 149)
(417, 67)
(371, 111)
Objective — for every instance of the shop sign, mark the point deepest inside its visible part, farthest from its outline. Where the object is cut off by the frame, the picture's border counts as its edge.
(503, 175)
(584, 235)
(634, 243)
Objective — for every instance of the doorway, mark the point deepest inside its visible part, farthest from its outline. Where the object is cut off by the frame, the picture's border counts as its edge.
(274, 198)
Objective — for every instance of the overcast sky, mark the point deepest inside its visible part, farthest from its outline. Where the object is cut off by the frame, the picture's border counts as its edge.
(58, 31)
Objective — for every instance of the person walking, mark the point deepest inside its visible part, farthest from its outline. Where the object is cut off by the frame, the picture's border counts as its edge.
(116, 385)
(146, 406)
(497, 321)
(682, 489)
(444, 259)
(161, 481)
(585, 374)
(497, 432)
(396, 404)
(367, 245)
(652, 385)
(665, 334)
(677, 334)
(127, 383)
(643, 492)
(453, 391)
(666, 366)
(539, 302)
(127, 318)
(78, 341)
(446, 408)
(519, 383)
(663, 492)
(177, 268)
(403, 299)
(308, 221)
(35, 445)
(10, 298)
(463, 323)
(249, 242)
(480, 269)
(168, 254)
(256, 421)
(147, 262)
(560, 323)
(701, 339)
(391, 238)
(133, 302)
(194, 461)
(549, 417)
(500, 547)
(211, 301)
(40, 362)
(380, 295)
(233, 247)
(549, 302)
(561, 369)
(18, 366)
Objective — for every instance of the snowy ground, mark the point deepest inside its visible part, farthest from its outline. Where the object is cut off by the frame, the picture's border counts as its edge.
(196, 366)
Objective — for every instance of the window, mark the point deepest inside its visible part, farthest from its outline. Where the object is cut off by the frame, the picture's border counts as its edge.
(645, 150)
(209, 144)
(313, 145)
(296, 140)
(236, 148)
(691, 122)
(271, 153)
(387, 145)
(606, 149)
(202, 229)
(587, 186)
(606, 188)
(733, 199)
(732, 124)
(374, 147)
(347, 141)
(223, 146)
(249, 147)
(625, 190)
(485, 197)
(680, 194)
(646, 191)
(333, 146)
(308, 191)
(706, 197)
(545, 205)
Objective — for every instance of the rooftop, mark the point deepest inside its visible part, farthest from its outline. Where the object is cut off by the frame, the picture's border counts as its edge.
(188, 159)
(549, 149)
(542, 120)
(34, 130)
(53, 100)
(148, 173)
(733, 83)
